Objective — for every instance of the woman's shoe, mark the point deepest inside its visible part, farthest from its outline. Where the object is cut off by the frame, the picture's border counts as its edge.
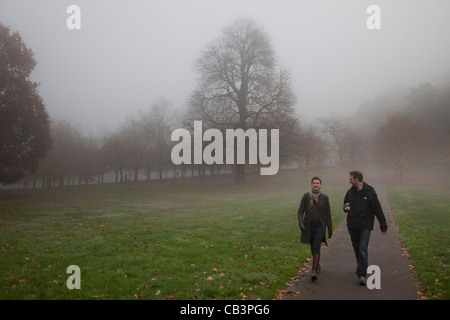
(315, 265)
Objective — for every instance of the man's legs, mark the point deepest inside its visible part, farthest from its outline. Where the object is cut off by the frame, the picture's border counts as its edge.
(363, 259)
(360, 243)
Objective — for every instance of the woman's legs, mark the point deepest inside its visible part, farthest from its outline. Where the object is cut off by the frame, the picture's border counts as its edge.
(317, 236)
(315, 249)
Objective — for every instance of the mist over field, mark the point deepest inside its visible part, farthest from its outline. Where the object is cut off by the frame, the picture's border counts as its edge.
(107, 68)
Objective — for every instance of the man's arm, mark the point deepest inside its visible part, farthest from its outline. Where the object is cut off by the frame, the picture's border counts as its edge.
(346, 200)
(378, 211)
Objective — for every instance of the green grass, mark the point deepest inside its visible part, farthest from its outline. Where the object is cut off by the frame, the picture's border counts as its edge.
(200, 238)
(422, 212)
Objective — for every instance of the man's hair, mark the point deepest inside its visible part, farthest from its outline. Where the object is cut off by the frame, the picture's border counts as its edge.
(316, 178)
(357, 175)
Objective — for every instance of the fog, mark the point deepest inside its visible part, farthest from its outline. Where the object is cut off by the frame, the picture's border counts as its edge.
(129, 53)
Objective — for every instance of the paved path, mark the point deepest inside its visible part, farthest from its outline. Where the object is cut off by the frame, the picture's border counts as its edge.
(338, 280)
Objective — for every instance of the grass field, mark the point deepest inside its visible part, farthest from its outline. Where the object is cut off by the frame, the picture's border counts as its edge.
(422, 212)
(200, 238)
(420, 203)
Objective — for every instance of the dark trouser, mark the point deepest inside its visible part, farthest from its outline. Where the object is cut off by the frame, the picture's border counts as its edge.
(317, 235)
(360, 242)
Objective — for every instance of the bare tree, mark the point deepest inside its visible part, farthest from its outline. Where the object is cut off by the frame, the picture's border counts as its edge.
(335, 127)
(344, 137)
(132, 147)
(313, 149)
(240, 86)
(72, 155)
(352, 147)
(142, 142)
(114, 150)
(401, 143)
(157, 124)
(59, 161)
(89, 165)
(431, 106)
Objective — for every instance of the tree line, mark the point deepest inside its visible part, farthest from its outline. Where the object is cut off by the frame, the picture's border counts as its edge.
(241, 85)
(414, 132)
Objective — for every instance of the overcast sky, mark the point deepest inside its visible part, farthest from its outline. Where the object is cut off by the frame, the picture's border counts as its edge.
(129, 53)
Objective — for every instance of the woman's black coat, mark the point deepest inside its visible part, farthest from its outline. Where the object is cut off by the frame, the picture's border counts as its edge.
(305, 211)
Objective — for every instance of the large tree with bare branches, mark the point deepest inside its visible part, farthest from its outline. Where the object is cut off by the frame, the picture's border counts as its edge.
(401, 142)
(240, 84)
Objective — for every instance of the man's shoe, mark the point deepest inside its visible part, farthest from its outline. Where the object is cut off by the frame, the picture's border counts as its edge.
(362, 281)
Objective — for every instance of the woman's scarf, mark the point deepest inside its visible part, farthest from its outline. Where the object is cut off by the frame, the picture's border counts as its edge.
(315, 195)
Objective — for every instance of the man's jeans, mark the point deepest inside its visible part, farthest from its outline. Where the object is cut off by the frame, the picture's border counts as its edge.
(360, 242)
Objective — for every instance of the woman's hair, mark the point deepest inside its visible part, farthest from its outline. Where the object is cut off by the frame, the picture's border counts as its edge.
(316, 178)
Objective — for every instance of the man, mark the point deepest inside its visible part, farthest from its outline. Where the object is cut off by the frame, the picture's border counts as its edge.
(362, 205)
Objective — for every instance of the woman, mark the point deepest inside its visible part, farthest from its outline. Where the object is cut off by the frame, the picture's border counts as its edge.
(314, 216)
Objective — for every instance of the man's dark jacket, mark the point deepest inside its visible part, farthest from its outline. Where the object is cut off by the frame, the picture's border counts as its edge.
(364, 206)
